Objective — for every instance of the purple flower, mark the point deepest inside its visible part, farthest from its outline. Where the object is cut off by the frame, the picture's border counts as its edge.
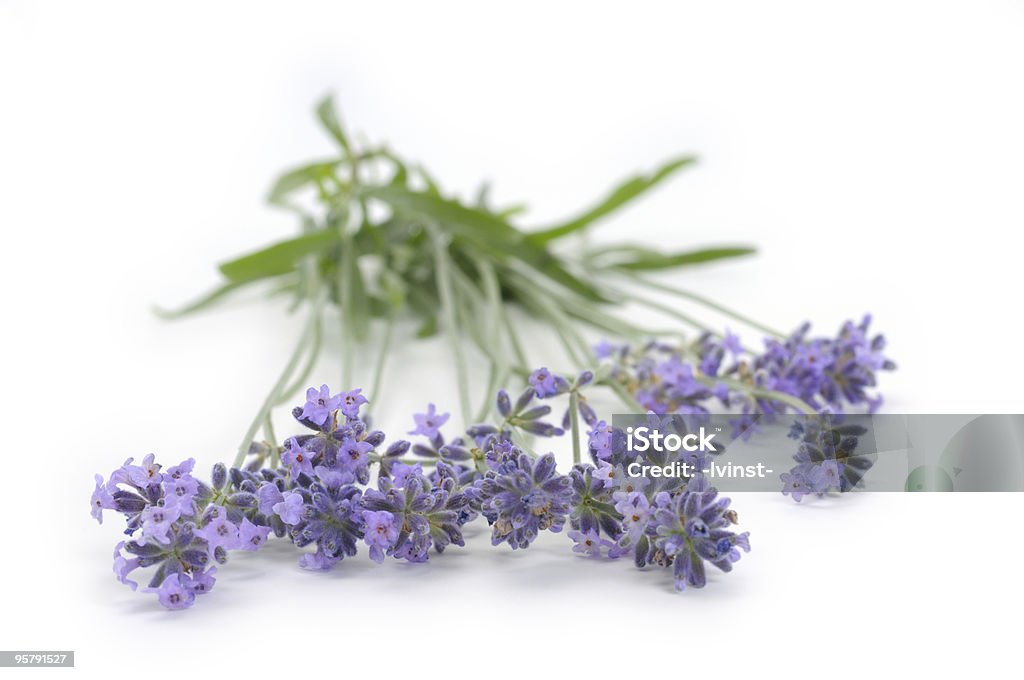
(635, 510)
(353, 455)
(429, 423)
(327, 512)
(604, 349)
(331, 478)
(601, 439)
(521, 497)
(795, 485)
(101, 499)
(400, 472)
(174, 594)
(145, 474)
(290, 508)
(731, 343)
(351, 401)
(180, 490)
(318, 561)
(182, 469)
(689, 528)
(586, 543)
(830, 373)
(219, 531)
(547, 384)
(157, 521)
(831, 474)
(123, 567)
(296, 458)
(381, 533)
(320, 404)
(269, 496)
(250, 536)
(608, 474)
(426, 512)
(202, 582)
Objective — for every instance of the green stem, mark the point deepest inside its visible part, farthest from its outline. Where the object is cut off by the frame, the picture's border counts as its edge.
(700, 299)
(268, 432)
(345, 275)
(665, 309)
(623, 394)
(385, 349)
(289, 369)
(574, 421)
(307, 370)
(773, 395)
(536, 297)
(443, 278)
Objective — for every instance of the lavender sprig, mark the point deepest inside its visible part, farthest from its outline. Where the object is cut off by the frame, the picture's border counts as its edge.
(179, 527)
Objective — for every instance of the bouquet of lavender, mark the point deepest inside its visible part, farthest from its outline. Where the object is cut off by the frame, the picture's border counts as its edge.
(379, 240)
(315, 491)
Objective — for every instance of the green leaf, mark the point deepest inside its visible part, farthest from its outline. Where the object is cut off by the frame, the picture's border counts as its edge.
(200, 303)
(299, 178)
(624, 193)
(484, 232)
(280, 258)
(328, 116)
(358, 312)
(635, 258)
(476, 225)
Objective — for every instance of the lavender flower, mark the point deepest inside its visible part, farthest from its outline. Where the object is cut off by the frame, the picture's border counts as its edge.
(179, 527)
(831, 374)
(351, 402)
(327, 513)
(428, 424)
(688, 529)
(320, 404)
(101, 499)
(520, 497)
(827, 458)
(297, 458)
(591, 544)
(424, 513)
(547, 384)
(381, 532)
(174, 594)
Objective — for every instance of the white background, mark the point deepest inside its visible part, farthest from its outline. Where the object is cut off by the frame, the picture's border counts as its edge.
(872, 150)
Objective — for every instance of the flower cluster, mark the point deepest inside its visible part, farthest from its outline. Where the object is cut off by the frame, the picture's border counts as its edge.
(826, 458)
(520, 495)
(667, 521)
(315, 491)
(826, 375)
(179, 526)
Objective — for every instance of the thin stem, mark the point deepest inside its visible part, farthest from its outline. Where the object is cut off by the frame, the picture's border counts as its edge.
(268, 432)
(537, 297)
(623, 394)
(289, 369)
(345, 274)
(445, 290)
(574, 421)
(700, 299)
(307, 370)
(773, 395)
(385, 349)
(665, 309)
(499, 366)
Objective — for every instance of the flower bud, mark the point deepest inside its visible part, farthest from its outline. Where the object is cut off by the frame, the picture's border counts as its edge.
(219, 477)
